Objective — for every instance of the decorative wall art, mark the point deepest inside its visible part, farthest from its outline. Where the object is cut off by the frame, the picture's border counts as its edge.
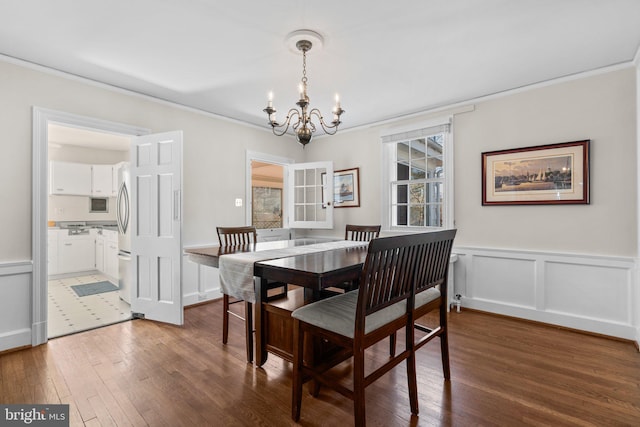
(346, 188)
(540, 175)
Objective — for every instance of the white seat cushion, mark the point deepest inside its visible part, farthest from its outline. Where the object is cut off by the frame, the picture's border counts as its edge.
(427, 296)
(338, 314)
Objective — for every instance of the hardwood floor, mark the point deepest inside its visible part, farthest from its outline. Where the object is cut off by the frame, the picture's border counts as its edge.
(503, 372)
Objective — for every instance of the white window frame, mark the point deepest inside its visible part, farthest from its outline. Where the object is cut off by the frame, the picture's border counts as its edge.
(388, 140)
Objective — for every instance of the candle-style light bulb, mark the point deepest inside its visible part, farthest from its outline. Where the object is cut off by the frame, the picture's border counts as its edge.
(270, 102)
(337, 102)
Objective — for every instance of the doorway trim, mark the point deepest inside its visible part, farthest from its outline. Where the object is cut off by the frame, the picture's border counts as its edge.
(40, 177)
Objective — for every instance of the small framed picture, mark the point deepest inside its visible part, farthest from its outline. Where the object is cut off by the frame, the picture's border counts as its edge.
(346, 188)
(539, 175)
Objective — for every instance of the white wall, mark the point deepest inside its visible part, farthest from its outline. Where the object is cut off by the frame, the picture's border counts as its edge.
(76, 208)
(214, 153)
(214, 150)
(600, 107)
(582, 271)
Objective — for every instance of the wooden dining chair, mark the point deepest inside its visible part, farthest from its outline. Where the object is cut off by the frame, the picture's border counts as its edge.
(431, 294)
(240, 236)
(356, 320)
(360, 233)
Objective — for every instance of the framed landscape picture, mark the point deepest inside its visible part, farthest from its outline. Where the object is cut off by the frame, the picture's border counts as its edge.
(346, 188)
(540, 175)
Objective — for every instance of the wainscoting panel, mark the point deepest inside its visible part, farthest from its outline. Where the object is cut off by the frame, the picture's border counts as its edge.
(199, 282)
(515, 285)
(576, 289)
(15, 304)
(590, 293)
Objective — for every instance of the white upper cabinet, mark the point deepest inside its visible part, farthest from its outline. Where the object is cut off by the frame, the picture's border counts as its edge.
(102, 180)
(80, 179)
(70, 178)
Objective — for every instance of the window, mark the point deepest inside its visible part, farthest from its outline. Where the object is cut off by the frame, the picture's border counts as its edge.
(416, 179)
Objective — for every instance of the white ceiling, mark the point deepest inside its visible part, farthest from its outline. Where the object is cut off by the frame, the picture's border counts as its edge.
(385, 58)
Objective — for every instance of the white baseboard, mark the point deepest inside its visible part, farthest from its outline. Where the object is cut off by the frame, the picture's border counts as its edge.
(197, 298)
(15, 339)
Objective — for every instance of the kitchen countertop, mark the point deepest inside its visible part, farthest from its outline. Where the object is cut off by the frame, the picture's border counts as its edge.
(82, 227)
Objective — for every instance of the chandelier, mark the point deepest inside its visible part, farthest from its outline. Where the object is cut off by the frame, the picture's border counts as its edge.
(300, 119)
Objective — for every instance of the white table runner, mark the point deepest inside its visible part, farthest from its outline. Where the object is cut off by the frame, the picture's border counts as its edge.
(236, 270)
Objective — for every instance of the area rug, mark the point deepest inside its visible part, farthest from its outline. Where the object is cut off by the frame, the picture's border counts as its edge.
(94, 288)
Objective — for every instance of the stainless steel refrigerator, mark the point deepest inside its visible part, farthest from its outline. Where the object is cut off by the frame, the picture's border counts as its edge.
(123, 216)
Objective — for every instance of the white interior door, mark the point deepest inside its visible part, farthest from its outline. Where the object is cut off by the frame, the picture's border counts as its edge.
(156, 238)
(310, 188)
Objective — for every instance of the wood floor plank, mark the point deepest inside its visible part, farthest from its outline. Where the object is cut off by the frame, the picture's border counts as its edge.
(504, 372)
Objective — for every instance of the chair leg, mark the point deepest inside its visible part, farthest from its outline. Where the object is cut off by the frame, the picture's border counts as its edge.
(444, 350)
(225, 318)
(296, 380)
(444, 343)
(412, 380)
(392, 344)
(358, 388)
(412, 383)
(248, 323)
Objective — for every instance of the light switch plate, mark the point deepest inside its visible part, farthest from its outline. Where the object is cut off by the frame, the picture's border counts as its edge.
(238, 203)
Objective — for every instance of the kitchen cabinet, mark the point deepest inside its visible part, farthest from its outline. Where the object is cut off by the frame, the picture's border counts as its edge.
(76, 253)
(72, 179)
(80, 179)
(111, 254)
(100, 253)
(102, 180)
(107, 254)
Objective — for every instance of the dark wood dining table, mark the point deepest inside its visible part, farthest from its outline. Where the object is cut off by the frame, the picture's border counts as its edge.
(313, 272)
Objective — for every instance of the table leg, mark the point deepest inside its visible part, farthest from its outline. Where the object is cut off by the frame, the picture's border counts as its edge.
(261, 338)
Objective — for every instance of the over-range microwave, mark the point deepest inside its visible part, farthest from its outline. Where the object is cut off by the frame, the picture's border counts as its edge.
(99, 204)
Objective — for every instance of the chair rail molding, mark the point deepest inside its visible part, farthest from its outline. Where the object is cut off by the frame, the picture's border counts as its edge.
(592, 293)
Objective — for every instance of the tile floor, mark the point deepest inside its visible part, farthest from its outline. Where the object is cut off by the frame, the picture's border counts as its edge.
(69, 313)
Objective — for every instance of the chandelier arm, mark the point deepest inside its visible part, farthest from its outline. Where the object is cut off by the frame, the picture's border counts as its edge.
(287, 123)
(276, 129)
(329, 129)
